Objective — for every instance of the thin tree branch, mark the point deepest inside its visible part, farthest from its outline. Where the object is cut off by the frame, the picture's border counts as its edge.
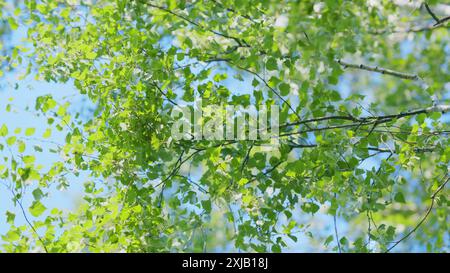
(271, 88)
(379, 70)
(28, 221)
(234, 11)
(31, 226)
(414, 29)
(367, 120)
(239, 41)
(247, 156)
(438, 21)
(175, 169)
(336, 231)
(164, 94)
(432, 14)
(442, 21)
(427, 213)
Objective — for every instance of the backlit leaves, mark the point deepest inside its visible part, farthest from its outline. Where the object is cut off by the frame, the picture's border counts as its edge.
(348, 150)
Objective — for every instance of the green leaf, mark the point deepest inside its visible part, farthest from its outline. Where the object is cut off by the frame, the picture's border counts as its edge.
(206, 204)
(271, 64)
(421, 118)
(21, 147)
(91, 55)
(12, 23)
(435, 115)
(310, 207)
(38, 194)
(399, 197)
(11, 140)
(11, 236)
(276, 249)
(38, 148)
(47, 134)
(29, 159)
(328, 240)
(242, 181)
(284, 89)
(30, 131)
(37, 208)
(3, 130)
(10, 217)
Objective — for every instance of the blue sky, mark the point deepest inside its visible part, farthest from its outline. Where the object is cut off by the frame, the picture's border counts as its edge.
(19, 99)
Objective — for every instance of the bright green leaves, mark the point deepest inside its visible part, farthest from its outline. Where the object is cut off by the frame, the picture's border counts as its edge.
(11, 140)
(47, 133)
(188, 95)
(45, 103)
(21, 146)
(289, 227)
(3, 130)
(30, 131)
(12, 235)
(242, 181)
(52, 60)
(28, 159)
(91, 55)
(336, 160)
(12, 23)
(37, 208)
(220, 77)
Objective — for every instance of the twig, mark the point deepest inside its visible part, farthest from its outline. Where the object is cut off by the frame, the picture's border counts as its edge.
(442, 21)
(31, 225)
(234, 11)
(438, 21)
(177, 166)
(247, 156)
(164, 94)
(364, 120)
(430, 208)
(379, 70)
(271, 89)
(28, 221)
(432, 14)
(336, 231)
(239, 41)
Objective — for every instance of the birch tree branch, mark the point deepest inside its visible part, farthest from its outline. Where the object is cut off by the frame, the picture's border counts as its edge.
(357, 122)
(379, 70)
(438, 21)
(431, 13)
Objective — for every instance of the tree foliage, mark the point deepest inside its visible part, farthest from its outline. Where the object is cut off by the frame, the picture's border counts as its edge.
(364, 141)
